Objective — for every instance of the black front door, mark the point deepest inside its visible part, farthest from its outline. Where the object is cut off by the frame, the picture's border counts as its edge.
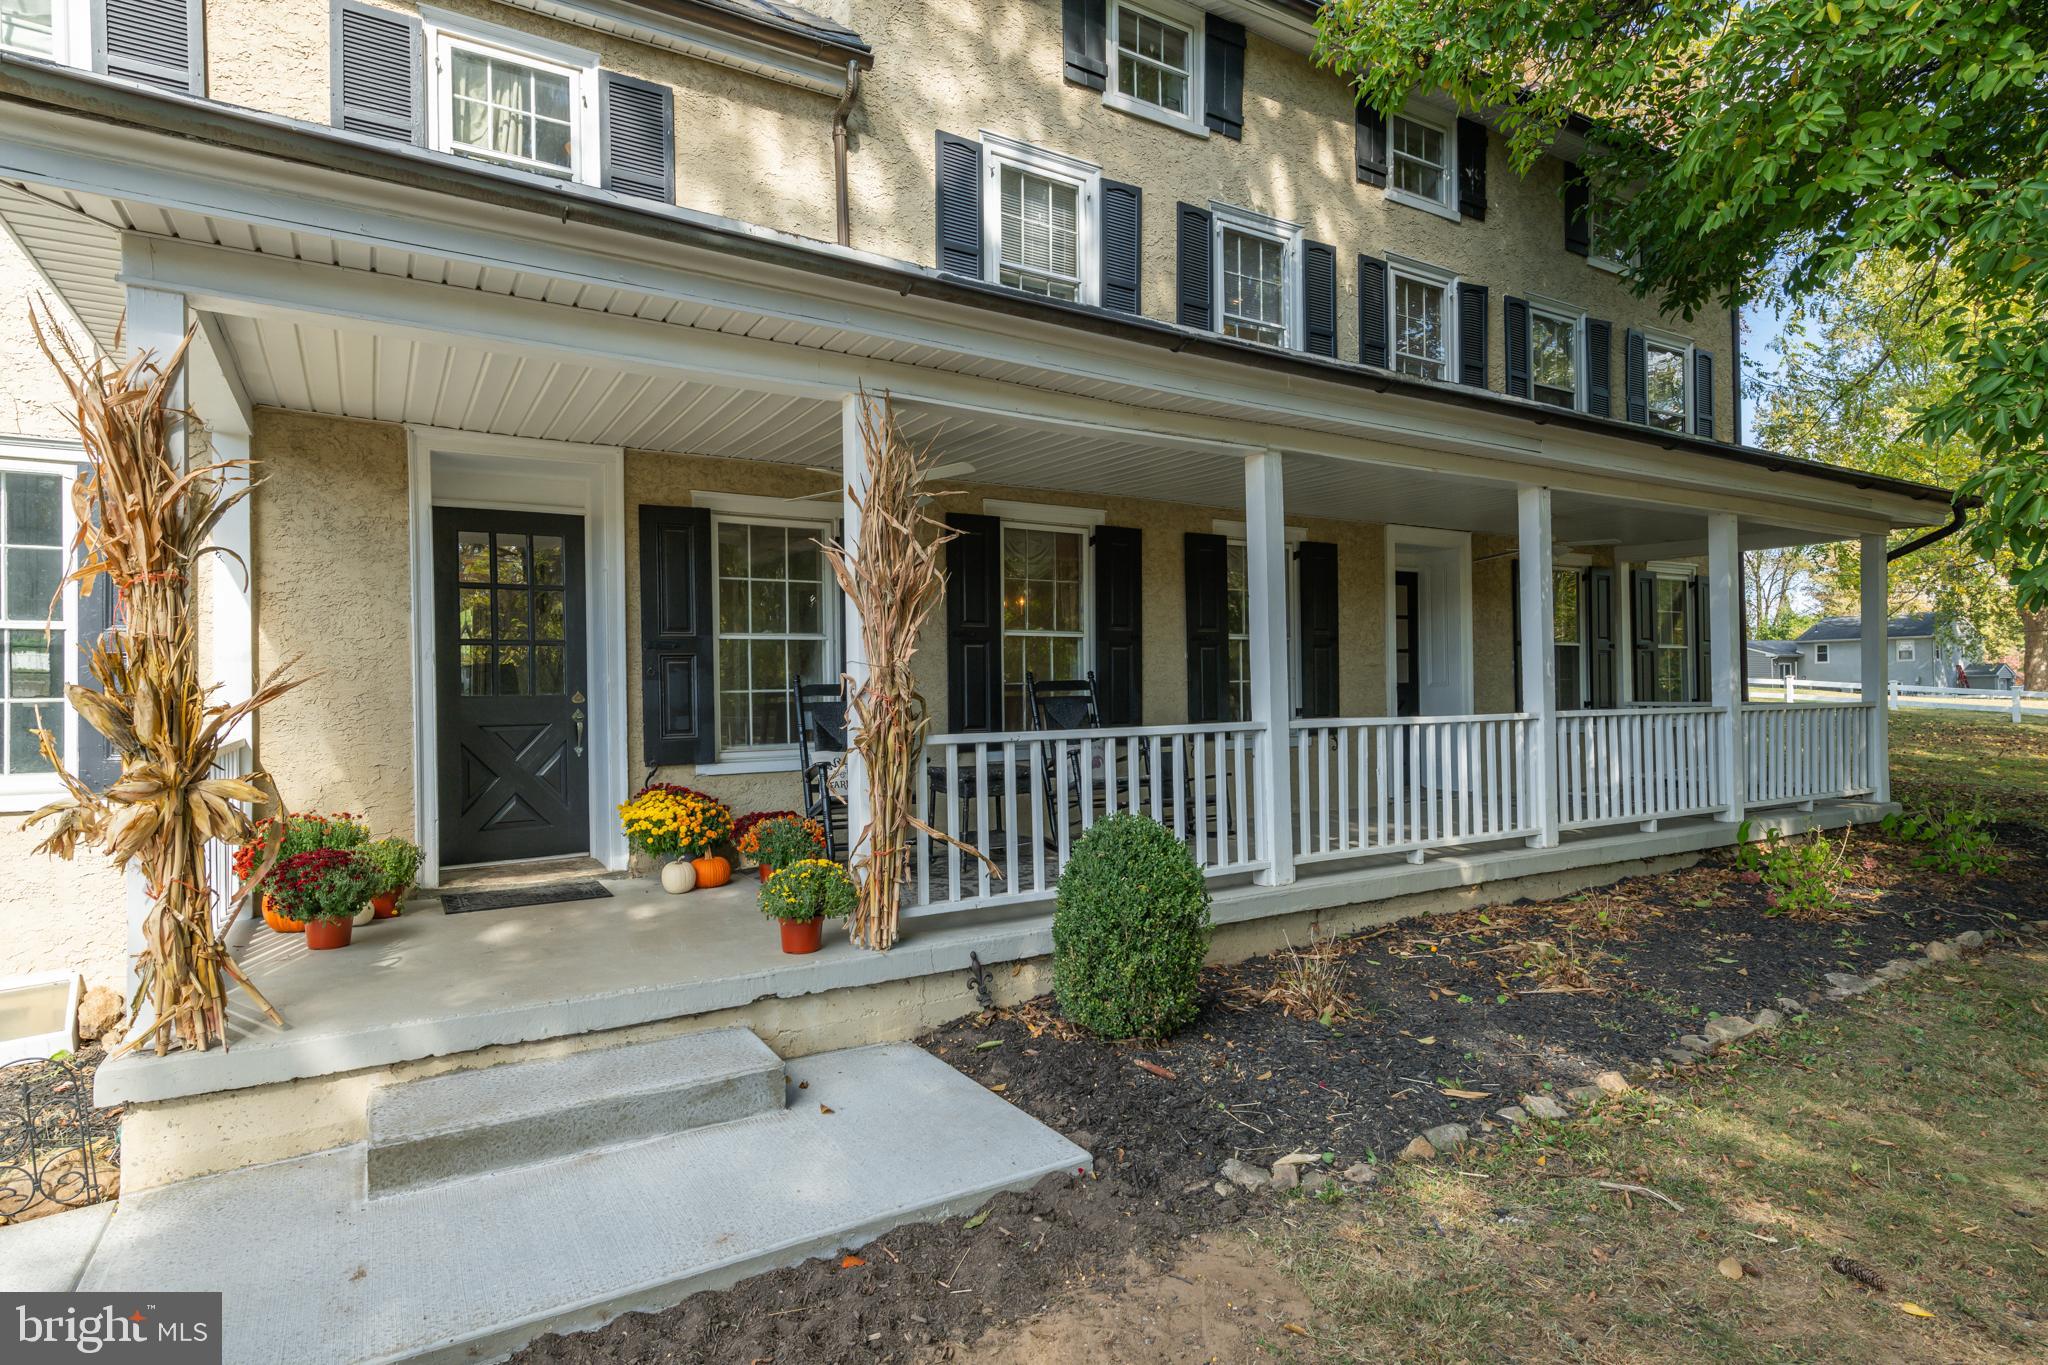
(1407, 681)
(509, 630)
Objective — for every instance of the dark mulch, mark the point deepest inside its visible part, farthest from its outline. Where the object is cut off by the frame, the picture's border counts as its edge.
(1440, 1004)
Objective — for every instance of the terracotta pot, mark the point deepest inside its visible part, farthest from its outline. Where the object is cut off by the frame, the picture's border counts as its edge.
(678, 876)
(802, 935)
(276, 919)
(712, 871)
(329, 933)
(387, 904)
(765, 871)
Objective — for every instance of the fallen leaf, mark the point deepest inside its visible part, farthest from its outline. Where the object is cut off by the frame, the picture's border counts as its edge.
(977, 1220)
(984, 1047)
(1914, 1309)
(1294, 1328)
(1161, 1072)
(1468, 1094)
(999, 1089)
(827, 1109)
(850, 1262)
(1730, 1268)
(1263, 1076)
(1426, 1041)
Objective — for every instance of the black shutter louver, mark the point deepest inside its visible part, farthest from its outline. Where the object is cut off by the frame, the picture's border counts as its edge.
(1702, 642)
(637, 141)
(1370, 145)
(1123, 220)
(1472, 169)
(676, 635)
(1472, 343)
(957, 214)
(1223, 77)
(1319, 298)
(1372, 312)
(1515, 631)
(1085, 22)
(1643, 629)
(156, 42)
(379, 66)
(1206, 565)
(1578, 222)
(1600, 639)
(1119, 623)
(1315, 564)
(1192, 267)
(974, 623)
(1703, 393)
(1599, 367)
(1635, 361)
(1514, 331)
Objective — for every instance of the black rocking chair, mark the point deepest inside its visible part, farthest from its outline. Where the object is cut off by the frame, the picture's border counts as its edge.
(820, 711)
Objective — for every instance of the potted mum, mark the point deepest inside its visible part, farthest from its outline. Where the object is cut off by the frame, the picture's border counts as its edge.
(397, 862)
(324, 889)
(303, 833)
(679, 829)
(786, 839)
(703, 826)
(802, 896)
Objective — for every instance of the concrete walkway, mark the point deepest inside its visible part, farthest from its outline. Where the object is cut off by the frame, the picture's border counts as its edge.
(317, 1273)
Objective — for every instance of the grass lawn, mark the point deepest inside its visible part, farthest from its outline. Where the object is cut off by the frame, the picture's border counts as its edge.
(1965, 757)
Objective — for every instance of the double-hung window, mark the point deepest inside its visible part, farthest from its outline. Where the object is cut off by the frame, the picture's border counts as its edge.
(1155, 63)
(1040, 220)
(1820, 654)
(1567, 638)
(1419, 299)
(775, 619)
(1671, 672)
(512, 99)
(1044, 622)
(1906, 653)
(54, 30)
(1237, 614)
(1257, 277)
(1666, 382)
(1422, 166)
(37, 624)
(1555, 338)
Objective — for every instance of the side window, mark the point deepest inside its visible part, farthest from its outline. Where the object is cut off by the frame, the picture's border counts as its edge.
(1567, 637)
(1673, 675)
(34, 658)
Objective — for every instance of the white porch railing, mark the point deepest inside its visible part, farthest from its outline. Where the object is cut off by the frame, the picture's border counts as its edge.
(234, 760)
(1806, 752)
(1393, 784)
(1640, 764)
(1024, 797)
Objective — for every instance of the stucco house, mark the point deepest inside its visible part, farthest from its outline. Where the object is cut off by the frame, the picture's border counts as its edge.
(1831, 650)
(1401, 541)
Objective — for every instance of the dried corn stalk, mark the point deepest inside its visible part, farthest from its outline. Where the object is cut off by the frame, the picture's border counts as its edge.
(143, 521)
(895, 573)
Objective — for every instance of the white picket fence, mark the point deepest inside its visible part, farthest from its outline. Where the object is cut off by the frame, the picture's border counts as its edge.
(234, 760)
(1638, 765)
(1806, 752)
(1386, 784)
(2017, 703)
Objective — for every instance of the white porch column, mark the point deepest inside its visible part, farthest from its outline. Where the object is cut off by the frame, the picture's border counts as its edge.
(1876, 670)
(1265, 521)
(853, 478)
(1539, 663)
(1625, 633)
(1724, 608)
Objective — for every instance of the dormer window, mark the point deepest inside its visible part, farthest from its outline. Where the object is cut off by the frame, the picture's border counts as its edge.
(1155, 66)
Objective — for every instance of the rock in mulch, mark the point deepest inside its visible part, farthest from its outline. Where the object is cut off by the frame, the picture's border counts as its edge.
(100, 1011)
(1544, 1107)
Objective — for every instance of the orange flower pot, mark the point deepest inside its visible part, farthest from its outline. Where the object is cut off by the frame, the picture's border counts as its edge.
(387, 905)
(329, 933)
(802, 935)
(277, 920)
(765, 871)
(712, 871)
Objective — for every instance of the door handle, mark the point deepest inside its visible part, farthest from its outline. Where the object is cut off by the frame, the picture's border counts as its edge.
(577, 716)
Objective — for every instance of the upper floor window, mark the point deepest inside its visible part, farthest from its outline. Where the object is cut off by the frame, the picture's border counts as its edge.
(510, 98)
(1665, 391)
(1040, 228)
(55, 30)
(1420, 298)
(1554, 340)
(1155, 66)
(34, 661)
(1422, 162)
(1257, 277)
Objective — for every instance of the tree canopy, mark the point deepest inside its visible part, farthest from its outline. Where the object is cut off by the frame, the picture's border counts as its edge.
(1735, 149)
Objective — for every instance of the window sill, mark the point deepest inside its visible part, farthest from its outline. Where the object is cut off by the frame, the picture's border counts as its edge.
(1416, 201)
(1152, 113)
(749, 763)
(26, 800)
(1606, 263)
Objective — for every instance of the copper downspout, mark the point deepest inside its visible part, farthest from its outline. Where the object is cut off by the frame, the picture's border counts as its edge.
(839, 113)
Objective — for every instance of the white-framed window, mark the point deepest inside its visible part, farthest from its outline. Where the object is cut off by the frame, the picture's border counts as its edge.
(1422, 161)
(1419, 300)
(1237, 618)
(510, 98)
(54, 30)
(1155, 63)
(1556, 348)
(778, 615)
(1820, 654)
(1257, 274)
(1568, 637)
(1039, 220)
(1598, 254)
(1667, 381)
(1045, 610)
(1906, 653)
(1671, 625)
(1786, 668)
(37, 657)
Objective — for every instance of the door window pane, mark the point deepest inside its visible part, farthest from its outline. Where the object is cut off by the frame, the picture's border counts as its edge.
(473, 556)
(547, 559)
(771, 623)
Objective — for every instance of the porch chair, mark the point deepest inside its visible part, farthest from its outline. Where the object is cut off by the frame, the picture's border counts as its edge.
(820, 712)
(1076, 704)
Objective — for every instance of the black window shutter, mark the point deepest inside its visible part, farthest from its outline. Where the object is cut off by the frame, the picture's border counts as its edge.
(958, 214)
(1206, 562)
(1123, 219)
(1600, 638)
(158, 42)
(1643, 629)
(637, 143)
(1472, 301)
(1472, 169)
(676, 635)
(1578, 224)
(1319, 298)
(98, 765)
(1316, 579)
(1703, 393)
(1702, 643)
(1192, 267)
(974, 623)
(1514, 330)
(1119, 622)
(379, 68)
(1085, 22)
(1635, 361)
(1372, 312)
(1599, 367)
(1370, 149)
(1223, 80)
(1515, 631)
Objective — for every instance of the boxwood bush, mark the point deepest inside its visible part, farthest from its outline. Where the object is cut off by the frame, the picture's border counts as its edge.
(1129, 930)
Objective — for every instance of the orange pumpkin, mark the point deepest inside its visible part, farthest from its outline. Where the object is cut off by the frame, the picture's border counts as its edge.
(712, 871)
(277, 920)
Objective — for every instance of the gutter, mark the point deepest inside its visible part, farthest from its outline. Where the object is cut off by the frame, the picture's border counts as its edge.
(842, 212)
(1959, 514)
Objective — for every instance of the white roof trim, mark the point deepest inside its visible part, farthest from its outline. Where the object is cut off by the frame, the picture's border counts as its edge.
(701, 41)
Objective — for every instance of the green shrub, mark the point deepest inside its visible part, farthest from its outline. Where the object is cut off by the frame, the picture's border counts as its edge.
(1954, 838)
(1804, 876)
(1129, 930)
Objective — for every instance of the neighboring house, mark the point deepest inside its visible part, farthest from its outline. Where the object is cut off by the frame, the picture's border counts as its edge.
(1995, 677)
(1773, 659)
(547, 322)
(1831, 650)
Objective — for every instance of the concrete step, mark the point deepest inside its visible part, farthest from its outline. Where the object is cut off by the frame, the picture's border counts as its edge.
(467, 1123)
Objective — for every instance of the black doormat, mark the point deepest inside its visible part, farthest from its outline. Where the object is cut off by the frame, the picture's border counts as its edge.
(548, 893)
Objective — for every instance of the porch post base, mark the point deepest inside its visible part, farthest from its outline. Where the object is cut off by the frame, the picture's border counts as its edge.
(1648, 826)
(1417, 855)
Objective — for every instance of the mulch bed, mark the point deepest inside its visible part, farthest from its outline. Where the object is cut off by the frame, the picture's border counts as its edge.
(57, 1152)
(1436, 1005)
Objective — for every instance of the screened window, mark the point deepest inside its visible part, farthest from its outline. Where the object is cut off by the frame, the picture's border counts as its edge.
(772, 622)
(1554, 359)
(1040, 249)
(1237, 662)
(1044, 633)
(1671, 676)
(1254, 287)
(1419, 333)
(1567, 635)
(1421, 160)
(1154, 61)
(32, 568)
(511, 601)
(1664, 385)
